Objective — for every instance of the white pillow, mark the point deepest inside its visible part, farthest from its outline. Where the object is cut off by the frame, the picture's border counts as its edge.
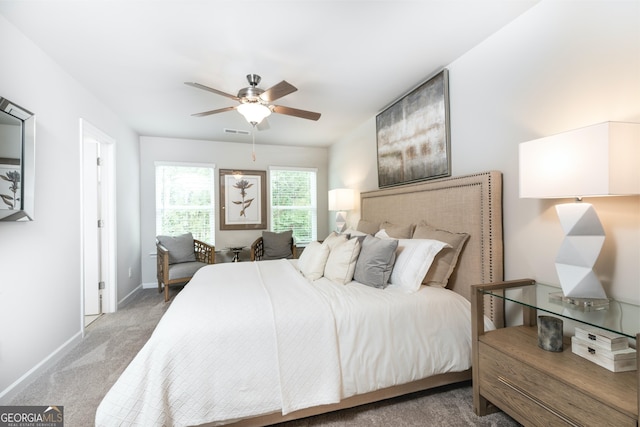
(413, 259)
(312, 260)
(334, 239)
(341, 263)
(382, 234)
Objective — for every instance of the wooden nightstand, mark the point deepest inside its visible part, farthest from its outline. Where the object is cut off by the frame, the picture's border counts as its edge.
(538, 387)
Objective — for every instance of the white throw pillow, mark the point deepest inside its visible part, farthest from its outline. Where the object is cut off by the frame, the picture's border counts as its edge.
(413, 259)
(312, 260)
(382, 234)
(341, 263)
(334, 239)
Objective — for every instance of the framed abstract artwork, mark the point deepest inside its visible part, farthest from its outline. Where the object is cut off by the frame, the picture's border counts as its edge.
(413, 135)
(243, 197)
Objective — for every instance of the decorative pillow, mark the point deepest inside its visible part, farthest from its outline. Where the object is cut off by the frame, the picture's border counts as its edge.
(277, 245)
(180, 247)
(341, 263)
(445, 262)
(398, 231)
(334, 239)
(375, 261)
(368, 227)
(413, 259)
(312, 260)
(382, 234)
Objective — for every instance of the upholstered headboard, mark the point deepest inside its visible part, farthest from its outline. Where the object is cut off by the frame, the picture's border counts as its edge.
(470, 204)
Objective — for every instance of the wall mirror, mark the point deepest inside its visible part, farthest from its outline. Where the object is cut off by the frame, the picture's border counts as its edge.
(17, 162)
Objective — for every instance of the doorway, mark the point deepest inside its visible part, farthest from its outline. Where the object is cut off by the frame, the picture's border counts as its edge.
(98, 223)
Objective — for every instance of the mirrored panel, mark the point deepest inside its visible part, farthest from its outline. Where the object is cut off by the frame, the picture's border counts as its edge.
(17, 162)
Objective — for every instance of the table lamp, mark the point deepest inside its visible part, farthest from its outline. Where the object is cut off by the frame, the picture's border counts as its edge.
(594, 161)
(341, 200)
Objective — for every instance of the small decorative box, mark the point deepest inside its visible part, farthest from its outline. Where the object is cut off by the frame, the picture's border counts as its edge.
(613, 360)
(603, 339)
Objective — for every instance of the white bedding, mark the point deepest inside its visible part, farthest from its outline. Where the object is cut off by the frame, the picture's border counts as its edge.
(389, 337)
(247, 339)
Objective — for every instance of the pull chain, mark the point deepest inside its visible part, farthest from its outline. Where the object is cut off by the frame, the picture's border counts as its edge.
(253, 143)
(253, 147)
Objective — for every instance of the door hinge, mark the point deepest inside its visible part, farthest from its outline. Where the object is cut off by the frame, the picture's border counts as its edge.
(99, 161)
(100, 223)
(100, 285)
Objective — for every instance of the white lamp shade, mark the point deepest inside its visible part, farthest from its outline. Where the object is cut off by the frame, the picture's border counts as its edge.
(598, 160)
(341, 199)
(254, 112)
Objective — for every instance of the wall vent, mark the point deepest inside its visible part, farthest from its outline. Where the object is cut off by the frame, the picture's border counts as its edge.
(237, 131)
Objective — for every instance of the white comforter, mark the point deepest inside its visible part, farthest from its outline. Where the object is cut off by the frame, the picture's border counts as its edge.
(220, 350)
(254, 338)
(389, 337)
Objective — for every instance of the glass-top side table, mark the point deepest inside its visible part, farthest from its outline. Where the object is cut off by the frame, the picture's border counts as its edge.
(619, 317)
(236, 252)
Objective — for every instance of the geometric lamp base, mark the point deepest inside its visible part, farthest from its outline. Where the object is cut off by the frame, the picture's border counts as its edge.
(341, 221)
(584, 238)
(579, 282)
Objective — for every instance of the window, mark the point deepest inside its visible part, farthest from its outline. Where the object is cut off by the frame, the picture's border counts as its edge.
(294, 202)
(185, 200)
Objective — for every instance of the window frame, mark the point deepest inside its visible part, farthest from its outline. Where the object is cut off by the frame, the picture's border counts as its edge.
(314, 199)
(212, 208)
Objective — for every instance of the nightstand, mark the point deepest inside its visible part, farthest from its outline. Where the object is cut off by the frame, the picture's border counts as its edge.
(538, 387)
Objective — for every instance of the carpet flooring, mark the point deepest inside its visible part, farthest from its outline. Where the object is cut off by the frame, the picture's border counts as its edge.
(80, 380)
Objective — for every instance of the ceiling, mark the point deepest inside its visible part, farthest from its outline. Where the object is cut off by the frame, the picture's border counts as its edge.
(348, 59)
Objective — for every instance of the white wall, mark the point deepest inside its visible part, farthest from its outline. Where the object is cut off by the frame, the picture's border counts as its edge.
(225, 155)
(40, 284)
(559, 66)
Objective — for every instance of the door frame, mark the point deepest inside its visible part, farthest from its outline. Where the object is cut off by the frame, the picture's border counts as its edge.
(108, 199)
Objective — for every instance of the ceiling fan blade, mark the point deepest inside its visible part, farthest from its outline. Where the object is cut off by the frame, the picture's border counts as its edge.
(295, 112)
(208, 113)
(278, 91)
(210, 89)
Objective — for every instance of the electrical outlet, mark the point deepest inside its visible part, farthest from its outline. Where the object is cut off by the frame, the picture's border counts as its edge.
(130, 272)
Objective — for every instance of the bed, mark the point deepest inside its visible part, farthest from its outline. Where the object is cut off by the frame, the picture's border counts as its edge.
(259, 343)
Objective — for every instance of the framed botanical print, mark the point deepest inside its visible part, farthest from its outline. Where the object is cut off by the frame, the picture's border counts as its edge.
(243, 198)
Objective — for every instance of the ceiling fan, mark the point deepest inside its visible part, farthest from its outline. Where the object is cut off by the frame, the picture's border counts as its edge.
(255, 102)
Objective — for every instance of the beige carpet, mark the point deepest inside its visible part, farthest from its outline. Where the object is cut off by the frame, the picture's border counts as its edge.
(81, 379)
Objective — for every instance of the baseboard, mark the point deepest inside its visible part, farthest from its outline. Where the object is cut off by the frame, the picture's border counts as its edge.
(21, 383)
(150, 285)
(129, 295)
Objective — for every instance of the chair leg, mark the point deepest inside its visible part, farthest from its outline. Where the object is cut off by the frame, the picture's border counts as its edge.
(159, 286)
(166, 293)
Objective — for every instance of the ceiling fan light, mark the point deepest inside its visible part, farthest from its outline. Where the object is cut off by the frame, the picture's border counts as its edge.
(254, 112)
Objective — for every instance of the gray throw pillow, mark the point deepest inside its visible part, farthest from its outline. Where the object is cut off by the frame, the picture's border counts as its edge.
(180, 247)
(375, 261)
(277, 245)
